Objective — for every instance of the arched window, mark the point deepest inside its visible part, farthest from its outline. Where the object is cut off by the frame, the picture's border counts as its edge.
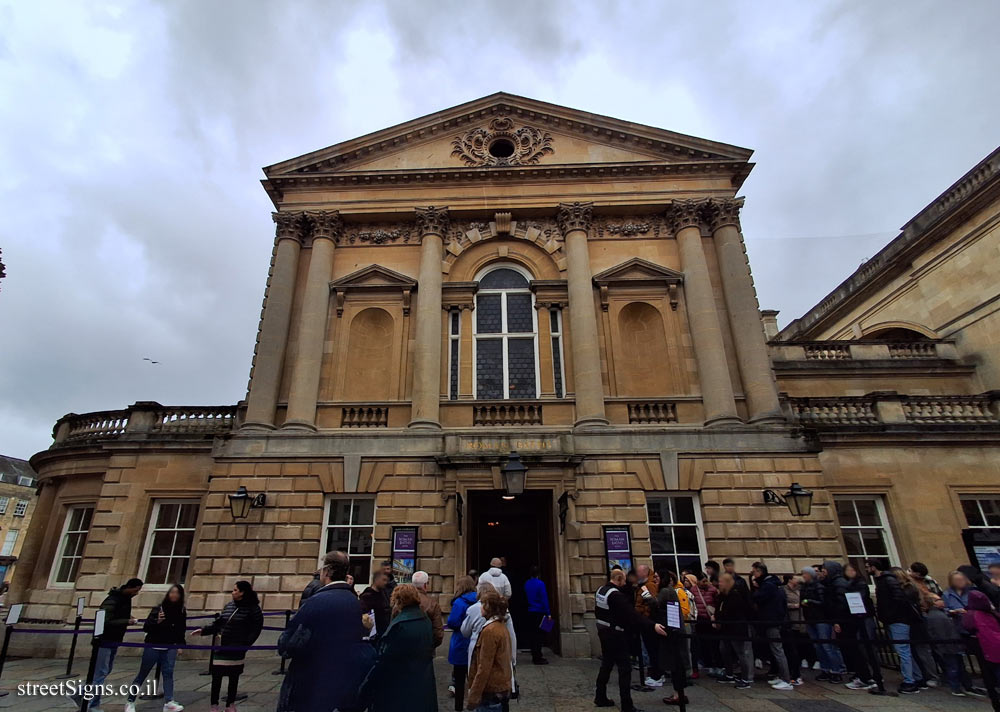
(506, 335)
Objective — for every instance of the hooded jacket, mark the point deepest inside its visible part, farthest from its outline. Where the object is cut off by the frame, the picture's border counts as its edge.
(835, 586)
(982, 620)
(893, 603)
(811, 599)
(770, 600)
(498, 579)
(117, 609)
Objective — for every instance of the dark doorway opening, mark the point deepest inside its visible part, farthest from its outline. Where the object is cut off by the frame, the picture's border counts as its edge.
(520, 531)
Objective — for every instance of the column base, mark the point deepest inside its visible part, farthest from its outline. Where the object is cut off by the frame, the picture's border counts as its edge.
(256, 427)
(591, 423)
(423, 424)
(770, 418)
(301, 425)
(721, 421)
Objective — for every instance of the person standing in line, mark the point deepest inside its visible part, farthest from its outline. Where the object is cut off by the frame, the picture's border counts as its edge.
(799, 650)
(923, 580)
(238, 625)
(731, 620)
(325, 641)
(982, 620)
(771, 606)
(403, 676)
(376, 598)
(458, 648)
(956, 604)
(896, 608)
(729, 566)
(497, 578)
(671, 645)
(117, 607)
(706, 598)
(311, 588)
(831, 663)
(429, 605)
(616, 619)
(165, 625)
(490, 670)
(473, 624)
(538, 611)
(646, 588)
(847, 629)
(390, 577)
(712, 571)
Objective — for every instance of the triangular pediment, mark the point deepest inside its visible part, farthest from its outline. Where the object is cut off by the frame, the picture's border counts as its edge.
(373, 276)
(637, 270)
(477, 134)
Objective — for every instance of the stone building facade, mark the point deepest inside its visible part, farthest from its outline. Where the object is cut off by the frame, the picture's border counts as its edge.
(503, 276)
(17, 505)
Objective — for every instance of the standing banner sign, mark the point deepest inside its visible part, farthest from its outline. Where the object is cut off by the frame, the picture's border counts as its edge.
(14, 614)
(618, 547)
(404, 553)
(79, 605)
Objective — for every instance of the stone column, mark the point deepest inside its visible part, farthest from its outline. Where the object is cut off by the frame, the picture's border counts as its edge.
(28, 561)
(744, 315)
(574, 223)
(272, 341)
(703, 317)
(432, 224)
(325, 227)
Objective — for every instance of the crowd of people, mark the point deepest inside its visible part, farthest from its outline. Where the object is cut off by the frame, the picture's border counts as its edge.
(823, 619)
(376, 651)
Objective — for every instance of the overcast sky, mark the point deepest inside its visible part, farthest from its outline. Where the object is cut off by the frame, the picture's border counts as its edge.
(132, 136)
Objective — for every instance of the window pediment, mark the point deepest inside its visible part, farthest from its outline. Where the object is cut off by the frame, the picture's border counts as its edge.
(372, 279)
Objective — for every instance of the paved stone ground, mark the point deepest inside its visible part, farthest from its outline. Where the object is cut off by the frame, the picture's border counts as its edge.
(563, 686)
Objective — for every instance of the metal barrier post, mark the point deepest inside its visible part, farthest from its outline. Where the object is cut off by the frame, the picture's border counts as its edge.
(281, 670)
(72, 649)
(12, 618)
(95, 646)
(157, 690)
(211, 656)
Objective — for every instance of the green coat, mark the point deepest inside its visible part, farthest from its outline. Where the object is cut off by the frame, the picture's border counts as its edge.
(403, 676)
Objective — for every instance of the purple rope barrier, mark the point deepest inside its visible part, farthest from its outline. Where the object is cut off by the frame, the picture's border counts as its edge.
(189, 647)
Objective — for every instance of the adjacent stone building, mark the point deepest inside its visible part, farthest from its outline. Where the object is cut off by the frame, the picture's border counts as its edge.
(512, 276)
(17, 505)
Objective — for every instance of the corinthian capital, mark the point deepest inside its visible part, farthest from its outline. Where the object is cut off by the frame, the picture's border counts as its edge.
(574, 216)
(686, 213)
(325, 224)
(432, 221)
(720, 212)
(288, 226)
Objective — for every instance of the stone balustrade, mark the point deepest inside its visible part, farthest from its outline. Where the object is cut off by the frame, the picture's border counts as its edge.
(651, 412)
(142, 419)
(891, 408)
(826, 351)
(365, 417)
(507, 414)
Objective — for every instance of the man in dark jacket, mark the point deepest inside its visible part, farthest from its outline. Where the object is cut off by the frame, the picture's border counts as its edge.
(117, 609)
(835, 608)
(325, 641)
(311, 588)
(897, 609)
(731, 618)
(729, 566)
(811, 602)
(376, 598)
(772, 607)
(390, 578)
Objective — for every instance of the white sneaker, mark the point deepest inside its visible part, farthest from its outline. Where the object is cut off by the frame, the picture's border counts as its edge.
(933, 683)
(758, 664)
(796, 682)
(781, 685)
(817, 666)
(650, 682)
(130, 707)
(172, 706)
(805, 665)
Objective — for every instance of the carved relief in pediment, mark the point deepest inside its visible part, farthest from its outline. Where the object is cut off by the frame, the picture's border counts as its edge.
(502, 143)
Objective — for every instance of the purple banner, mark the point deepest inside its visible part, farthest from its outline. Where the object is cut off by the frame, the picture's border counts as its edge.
(404, 541)
(616, 542)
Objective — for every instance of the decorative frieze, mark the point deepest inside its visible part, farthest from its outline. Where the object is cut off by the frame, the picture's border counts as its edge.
(574, 216)
(378, 233)
(502, 143)
(634, 226)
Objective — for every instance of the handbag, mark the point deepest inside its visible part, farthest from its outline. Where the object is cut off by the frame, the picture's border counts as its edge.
(547, 624)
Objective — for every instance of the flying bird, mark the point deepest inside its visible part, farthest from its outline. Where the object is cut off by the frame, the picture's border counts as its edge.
(150, 360)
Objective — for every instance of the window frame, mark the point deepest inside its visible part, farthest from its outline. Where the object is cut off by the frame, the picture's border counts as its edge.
(151, 533)
(978, 499)
(455, 352)
(558, 344)
(699, 524)
(4, 504)
(61, 549)
(504, 336)
(13, 544)
(883, 514)
(324, 531)
(21, 507)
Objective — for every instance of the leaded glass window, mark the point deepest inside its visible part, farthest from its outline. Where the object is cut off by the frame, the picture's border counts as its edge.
(506, 337)
(453, 336)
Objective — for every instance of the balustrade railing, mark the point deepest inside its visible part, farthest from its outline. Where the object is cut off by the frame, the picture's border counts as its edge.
(507, 414)
(365, 417)
(829, 351)
(948, 409)
(651, 412)
(890, 408)
(142, 418)
(196, 419)
(916, 349)
(834, 411)
(95, 426)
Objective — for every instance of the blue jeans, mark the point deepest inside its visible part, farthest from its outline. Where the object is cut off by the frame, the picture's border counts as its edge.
(829, 655)
(901, 631)
(102, 668)
(954, 668)
(166, 659)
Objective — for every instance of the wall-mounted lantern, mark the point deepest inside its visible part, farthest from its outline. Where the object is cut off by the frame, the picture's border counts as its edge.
(514, 473)
(799, 501)
(242, 502)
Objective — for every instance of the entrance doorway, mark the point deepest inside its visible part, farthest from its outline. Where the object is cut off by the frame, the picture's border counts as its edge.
(521, 532)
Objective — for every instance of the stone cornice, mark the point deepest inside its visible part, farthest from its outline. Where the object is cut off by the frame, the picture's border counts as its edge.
(574, 216)
(735, 171)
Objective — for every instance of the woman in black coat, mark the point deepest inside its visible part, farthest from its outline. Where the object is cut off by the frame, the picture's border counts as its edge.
(731, 618)
(165, 625)
(239, 624)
